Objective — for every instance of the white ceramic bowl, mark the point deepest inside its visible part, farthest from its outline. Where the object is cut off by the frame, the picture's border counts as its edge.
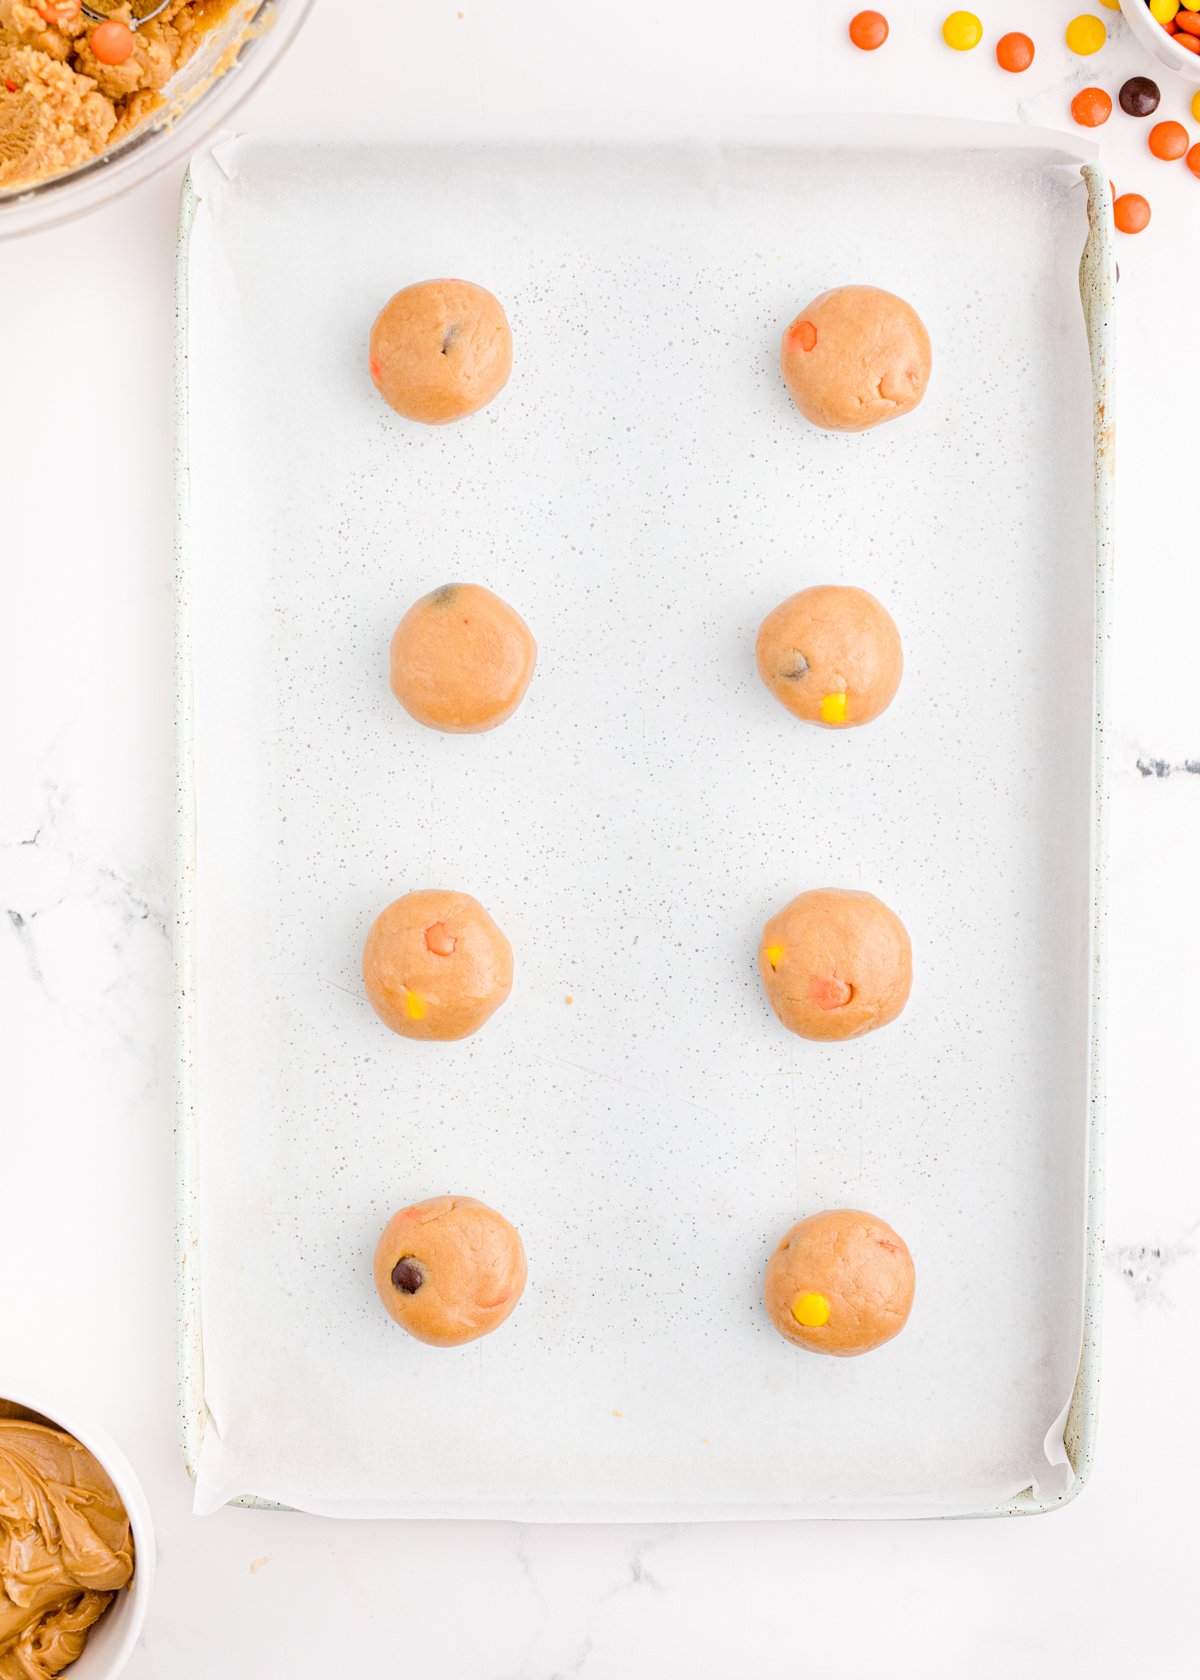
(199, 99)
(114, 1636)
(1155, 39)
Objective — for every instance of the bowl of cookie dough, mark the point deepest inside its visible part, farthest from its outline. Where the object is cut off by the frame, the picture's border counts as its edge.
(76, 1542)
(96, 96)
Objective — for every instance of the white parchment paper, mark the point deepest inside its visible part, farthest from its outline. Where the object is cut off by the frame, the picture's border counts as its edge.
(643, 493)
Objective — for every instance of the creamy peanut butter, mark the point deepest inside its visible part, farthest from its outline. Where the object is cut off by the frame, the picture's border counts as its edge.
(65, 1548)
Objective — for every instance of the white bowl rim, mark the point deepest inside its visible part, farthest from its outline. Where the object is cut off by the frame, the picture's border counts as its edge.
(1155, 39)
(102, 1447)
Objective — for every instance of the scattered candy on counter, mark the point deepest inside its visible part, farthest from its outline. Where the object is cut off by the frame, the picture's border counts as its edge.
(1112, 5)
(1131, 212)
(962, 31)
(1139, 97)
(1168, 140)
(1086, 34)
(1014, 52)
(868, 30)
(1091, 106)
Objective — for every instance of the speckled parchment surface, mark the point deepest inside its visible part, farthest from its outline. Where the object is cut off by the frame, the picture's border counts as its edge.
(643, 493)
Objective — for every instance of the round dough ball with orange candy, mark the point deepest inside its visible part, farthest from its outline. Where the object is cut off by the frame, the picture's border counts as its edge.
(440, 350)
(436, 966)
(855, 357)
(840, 1282)
(835, 964)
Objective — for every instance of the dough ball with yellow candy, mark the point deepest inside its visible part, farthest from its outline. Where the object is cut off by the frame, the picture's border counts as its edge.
(835, 964)
(461, 659)
(440, 350)
(855, 357)
(449, 1269)
(435, 965)
(831, 655)
(840, 1282)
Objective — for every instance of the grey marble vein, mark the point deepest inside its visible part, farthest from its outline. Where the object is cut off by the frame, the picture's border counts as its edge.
(1146, 1267)
(1161, 768)
(89, 927)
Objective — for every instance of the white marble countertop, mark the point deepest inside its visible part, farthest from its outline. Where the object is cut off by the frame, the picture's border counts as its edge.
(1104, 1588)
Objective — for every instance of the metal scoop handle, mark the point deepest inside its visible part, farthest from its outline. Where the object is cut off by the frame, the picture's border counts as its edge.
(143, 10)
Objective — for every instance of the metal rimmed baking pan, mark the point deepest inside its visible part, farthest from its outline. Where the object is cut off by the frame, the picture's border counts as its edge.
(643, 493)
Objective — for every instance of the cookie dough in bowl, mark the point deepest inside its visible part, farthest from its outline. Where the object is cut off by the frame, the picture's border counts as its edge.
(440, 350)
(831, 655)
(436, 966)
(855, 357)
(71, 87)
(840, 1282)
(449, 1270)
(461, 659)
(835, 964)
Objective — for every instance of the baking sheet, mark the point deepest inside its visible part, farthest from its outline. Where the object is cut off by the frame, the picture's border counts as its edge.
(643, 493)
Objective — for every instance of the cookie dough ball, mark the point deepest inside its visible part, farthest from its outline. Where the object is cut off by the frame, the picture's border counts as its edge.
(840, 1282)
(440, 350)
(435, 965)
(461, 659)
(831, 655)
(855, 357)
(835, 964)
(449, 1269)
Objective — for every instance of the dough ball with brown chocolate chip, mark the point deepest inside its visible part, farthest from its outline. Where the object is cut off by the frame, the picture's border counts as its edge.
(440, 350)
(461, 659)
(855, 357)
(435, 965)
(840, 1282)
(449, 1269)
(835, 964)
(831, 655)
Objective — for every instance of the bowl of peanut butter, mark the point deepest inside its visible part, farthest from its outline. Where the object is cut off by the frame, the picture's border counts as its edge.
(76, 1544)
